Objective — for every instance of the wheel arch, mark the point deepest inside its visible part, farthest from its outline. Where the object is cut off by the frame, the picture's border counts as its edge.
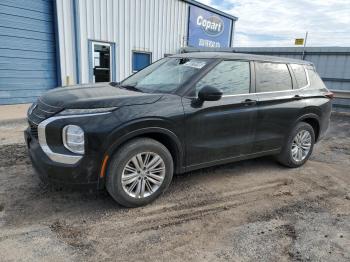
(163, 135)
(314, 121)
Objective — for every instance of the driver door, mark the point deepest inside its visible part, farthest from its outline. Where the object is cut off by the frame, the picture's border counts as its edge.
(220, 131)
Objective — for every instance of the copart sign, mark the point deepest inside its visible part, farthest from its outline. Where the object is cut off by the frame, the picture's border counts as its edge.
(207, 29)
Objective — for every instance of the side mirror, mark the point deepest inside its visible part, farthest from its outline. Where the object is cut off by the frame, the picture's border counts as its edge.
(209, 93)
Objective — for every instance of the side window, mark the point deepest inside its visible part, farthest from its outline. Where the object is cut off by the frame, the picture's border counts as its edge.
(272, 77)
(231, 77)
(299, 73)
(315, 80)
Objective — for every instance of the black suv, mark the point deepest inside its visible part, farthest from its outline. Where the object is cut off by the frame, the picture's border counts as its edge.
(181, 113)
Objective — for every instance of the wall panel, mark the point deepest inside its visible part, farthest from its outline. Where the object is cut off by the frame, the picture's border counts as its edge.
(27, 50)
(155, 26)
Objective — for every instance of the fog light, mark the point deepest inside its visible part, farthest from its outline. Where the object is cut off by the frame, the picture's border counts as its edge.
(73, 138)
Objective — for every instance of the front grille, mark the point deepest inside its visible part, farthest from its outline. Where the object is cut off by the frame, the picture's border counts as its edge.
(42, 111)
(39, 113)
(33, 129)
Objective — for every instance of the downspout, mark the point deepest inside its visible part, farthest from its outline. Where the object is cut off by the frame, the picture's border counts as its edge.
(57, 47)
(76, 26)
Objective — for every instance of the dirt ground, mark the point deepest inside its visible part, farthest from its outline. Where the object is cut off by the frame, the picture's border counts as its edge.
(253, 210)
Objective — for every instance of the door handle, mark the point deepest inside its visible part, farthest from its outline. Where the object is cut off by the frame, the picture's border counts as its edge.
(298, 97)
(249, 102)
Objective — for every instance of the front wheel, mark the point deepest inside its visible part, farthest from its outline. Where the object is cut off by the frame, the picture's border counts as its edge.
(139, 172)
(298, 146)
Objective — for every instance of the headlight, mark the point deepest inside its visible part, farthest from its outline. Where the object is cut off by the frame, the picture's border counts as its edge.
(73, 138)
(67, 112)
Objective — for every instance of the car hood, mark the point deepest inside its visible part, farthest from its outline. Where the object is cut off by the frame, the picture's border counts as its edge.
(96, 96)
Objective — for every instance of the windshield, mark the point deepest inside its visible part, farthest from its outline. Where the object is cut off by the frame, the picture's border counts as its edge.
(165, 75)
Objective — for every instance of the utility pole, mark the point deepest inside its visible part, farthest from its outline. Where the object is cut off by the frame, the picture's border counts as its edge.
(303, 54)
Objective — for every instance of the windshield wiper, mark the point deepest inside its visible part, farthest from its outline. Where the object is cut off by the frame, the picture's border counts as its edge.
(114, 83)
(130, 87)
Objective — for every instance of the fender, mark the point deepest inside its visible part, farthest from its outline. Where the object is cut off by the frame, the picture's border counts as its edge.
(145, 131)
(141, 127)
(308, 115)
(303, 115)
(311, 116)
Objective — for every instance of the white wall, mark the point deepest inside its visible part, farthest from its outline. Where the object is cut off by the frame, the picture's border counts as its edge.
(157, 26)
(64, 9)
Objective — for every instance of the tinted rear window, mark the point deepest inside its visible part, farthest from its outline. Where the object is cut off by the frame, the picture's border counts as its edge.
(300, 76)
(272, 77)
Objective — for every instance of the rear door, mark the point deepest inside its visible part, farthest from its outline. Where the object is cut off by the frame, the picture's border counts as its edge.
(279, 105)
(217, 131)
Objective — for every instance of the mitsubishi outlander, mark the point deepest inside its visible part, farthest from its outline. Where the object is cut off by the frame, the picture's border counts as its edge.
(183, 112)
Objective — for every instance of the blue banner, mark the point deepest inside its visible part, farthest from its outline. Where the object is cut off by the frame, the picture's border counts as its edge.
(207, 29)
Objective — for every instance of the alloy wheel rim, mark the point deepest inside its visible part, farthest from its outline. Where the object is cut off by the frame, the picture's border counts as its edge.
(301, 145)
(143, 174)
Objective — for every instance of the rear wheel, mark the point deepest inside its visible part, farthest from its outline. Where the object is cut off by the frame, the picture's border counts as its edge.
(139, 172)
(298, 146)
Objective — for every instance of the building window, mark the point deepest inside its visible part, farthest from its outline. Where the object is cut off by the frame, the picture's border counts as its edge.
(140, 60)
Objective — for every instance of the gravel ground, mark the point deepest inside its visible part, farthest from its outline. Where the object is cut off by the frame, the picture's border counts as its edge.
(253, 210)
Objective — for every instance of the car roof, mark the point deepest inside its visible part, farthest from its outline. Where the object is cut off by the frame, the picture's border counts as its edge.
(241, 56)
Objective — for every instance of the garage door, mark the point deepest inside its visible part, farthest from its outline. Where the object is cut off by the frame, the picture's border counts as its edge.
(27, 50)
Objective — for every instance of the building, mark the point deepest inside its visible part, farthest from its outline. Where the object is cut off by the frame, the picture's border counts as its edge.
(46, 43)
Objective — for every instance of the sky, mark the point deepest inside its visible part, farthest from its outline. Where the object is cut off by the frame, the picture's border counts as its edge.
(278, 22)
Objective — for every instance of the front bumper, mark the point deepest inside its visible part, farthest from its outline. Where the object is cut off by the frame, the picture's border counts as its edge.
(84, 173)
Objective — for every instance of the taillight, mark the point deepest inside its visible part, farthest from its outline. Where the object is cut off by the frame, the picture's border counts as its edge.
(330, 95)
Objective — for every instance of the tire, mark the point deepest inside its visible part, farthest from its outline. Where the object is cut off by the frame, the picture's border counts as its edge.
(122, 167)
(286, 156)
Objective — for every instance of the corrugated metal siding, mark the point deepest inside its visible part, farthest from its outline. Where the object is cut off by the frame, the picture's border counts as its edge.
(155, 26)
(27, 50)
(332, 63)
(65, 28)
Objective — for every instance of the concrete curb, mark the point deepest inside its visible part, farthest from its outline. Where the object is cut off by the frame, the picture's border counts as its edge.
(13, 121)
